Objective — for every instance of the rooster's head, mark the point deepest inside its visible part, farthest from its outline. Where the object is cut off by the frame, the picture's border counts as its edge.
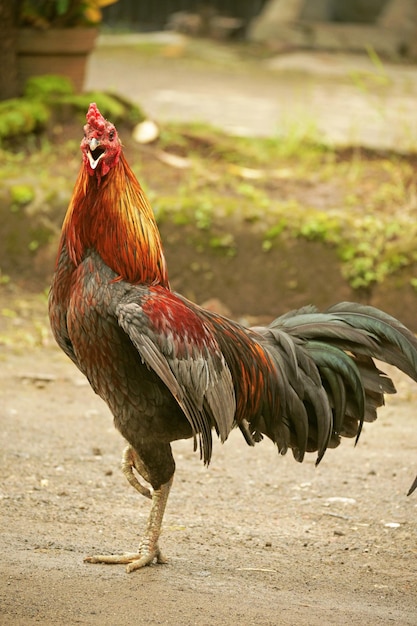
(101, 145)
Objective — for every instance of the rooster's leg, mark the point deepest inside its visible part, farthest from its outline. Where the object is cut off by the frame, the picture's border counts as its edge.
(148, 548)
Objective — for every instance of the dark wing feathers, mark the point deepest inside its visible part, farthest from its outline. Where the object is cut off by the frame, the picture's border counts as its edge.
(195, 373)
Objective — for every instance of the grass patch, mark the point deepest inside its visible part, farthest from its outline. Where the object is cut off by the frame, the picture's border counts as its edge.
(361, 203)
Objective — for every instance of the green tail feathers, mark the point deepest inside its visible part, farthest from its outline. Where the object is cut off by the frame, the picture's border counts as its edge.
(331, 385)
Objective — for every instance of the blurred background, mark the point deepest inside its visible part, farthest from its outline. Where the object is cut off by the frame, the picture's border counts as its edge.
(276, 140)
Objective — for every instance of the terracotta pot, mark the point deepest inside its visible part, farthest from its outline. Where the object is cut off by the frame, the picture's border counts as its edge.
(55, 51)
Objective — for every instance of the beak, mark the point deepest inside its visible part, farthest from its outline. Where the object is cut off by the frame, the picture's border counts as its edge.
(93, 143)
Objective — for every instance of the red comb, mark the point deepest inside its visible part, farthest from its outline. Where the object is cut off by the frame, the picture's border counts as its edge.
(95, 118)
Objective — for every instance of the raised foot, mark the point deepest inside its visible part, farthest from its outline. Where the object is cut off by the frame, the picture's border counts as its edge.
(132, 561)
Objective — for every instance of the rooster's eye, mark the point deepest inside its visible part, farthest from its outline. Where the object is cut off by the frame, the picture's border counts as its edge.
(111, 135)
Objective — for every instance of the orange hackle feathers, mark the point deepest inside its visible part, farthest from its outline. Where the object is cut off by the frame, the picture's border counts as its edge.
(115, 218)
(109, 212)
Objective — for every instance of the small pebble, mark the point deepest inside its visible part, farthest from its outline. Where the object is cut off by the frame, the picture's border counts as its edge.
(341, 500)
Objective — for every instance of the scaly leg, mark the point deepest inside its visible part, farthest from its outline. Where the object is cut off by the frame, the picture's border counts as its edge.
(148, 547)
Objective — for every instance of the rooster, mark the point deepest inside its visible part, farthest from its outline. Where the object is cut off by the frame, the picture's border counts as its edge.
(169, 369)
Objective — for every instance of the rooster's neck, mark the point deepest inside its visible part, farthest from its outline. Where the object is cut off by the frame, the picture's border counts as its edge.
(115, 219)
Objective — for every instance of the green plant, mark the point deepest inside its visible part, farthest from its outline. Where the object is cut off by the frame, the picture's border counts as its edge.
(61, 13)
(48, 86)
(20, 117)
(371, 251)
(21, 195)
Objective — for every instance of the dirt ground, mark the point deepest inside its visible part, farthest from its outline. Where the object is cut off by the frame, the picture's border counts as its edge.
(254, 539)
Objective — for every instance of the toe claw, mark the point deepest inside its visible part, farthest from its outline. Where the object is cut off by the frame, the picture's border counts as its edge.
(160, 558)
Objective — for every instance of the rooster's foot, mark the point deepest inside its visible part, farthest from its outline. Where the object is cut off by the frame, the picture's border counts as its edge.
(148, 548)
(133, 561)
